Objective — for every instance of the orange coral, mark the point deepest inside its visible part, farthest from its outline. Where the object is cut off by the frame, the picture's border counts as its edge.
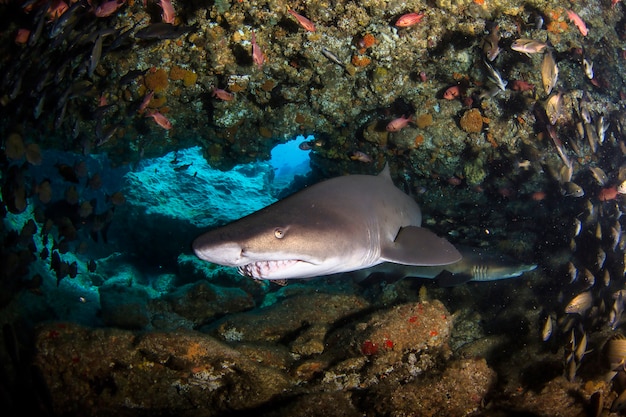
(556, 27)
(367, 41)
(419, 139)
(268, 85)
(424, 120)
(189, 77)
(236, 88)
(360, 61)
(156, 81)
(556, 24)
(472, 121)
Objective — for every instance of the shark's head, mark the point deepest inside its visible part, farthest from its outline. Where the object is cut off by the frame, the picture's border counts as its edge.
(265, 250)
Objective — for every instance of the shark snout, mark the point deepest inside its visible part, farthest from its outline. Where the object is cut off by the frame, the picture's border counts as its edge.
(229, 253)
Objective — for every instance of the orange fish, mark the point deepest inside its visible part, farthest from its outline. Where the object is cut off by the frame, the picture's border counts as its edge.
(304, 22)
(521, 85)
(57, 8)
(222, 94)
(108, 8)
(409, 19)
(169, 14)
(257, 54)
(398, 124)
(576, 20)
(161, 120)
(22, 35)
(452, 92)
(145, 102)
(607, 194)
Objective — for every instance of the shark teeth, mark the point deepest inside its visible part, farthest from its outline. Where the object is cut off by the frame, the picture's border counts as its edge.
(261, 269)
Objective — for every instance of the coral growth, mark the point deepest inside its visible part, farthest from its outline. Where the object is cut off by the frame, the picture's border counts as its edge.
(472, 121)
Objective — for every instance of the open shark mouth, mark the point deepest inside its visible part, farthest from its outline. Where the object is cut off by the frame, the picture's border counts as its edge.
(264, 269)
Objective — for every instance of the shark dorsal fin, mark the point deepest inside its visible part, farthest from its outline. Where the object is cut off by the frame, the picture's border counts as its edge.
(385, 173)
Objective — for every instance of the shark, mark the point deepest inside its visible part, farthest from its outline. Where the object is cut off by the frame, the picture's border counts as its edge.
(339, 225)
(477, 265)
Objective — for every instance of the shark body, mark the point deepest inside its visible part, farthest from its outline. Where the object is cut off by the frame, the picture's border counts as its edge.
(338, 225)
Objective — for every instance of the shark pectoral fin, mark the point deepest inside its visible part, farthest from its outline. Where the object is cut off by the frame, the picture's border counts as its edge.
(449, 279)
(418, 246)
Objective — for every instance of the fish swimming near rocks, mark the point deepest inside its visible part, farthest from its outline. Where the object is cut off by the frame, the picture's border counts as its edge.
(339, 225)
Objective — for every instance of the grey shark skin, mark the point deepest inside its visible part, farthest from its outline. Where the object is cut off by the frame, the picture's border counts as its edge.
(477, 265)
(338, 225)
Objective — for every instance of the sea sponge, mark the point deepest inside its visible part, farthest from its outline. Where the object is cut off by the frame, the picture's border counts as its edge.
(156, 81)
(189, 77)
(424, 120)
(472, 121)
(360, 61)
(474, 172)
(367, 41)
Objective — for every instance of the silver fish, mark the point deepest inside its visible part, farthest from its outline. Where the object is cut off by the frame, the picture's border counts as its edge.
(578, 225)
(549, 71)
(553, 107)
(96, 53)
(601, 127)
(571, 189)
(334, 58)
(570, 370)
(581, 348)
(600, 258)
(584, 110)
(592, 137)
(572, 272)
(547, 329)
(490, 44)
(599, 174)
(616, 235)
(588, 279)
(558, 145)
(565, 173)
(528, 46)
(588, 68)
(580, 304)
(495, 76)
(615, 315)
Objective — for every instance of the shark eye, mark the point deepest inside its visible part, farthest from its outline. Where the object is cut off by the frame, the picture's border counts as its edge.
(279, 233)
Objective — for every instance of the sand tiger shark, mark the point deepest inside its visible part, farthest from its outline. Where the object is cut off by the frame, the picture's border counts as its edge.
(339, 225)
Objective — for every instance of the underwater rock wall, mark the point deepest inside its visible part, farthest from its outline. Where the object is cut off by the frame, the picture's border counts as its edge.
(264, 364)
